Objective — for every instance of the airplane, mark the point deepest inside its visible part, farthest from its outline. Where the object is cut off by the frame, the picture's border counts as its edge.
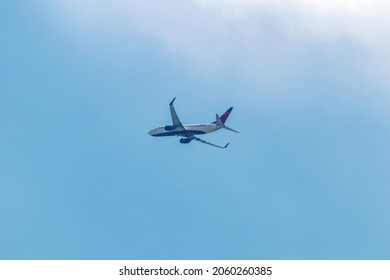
(188, 131)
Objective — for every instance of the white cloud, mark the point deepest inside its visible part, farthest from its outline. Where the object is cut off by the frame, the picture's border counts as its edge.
(212, 27)
(246, 34)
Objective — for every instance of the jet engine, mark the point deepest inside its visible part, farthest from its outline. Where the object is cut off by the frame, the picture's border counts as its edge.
(185, 140)
(169, 127)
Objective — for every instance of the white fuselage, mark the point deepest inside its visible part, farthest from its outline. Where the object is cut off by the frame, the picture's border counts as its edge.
(193, 129)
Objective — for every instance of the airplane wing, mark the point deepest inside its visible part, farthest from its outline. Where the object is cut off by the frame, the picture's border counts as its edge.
(175, 119)
(205, 142)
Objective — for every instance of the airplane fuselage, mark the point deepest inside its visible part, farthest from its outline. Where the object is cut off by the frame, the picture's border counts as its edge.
(194, 129)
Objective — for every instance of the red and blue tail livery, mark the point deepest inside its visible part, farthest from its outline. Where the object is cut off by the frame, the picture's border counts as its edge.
(226, 115)
(188, 131)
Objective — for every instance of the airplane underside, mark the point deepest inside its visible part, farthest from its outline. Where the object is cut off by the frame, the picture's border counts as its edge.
(185, 133)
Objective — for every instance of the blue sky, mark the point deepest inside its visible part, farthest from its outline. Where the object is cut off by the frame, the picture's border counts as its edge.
(82, 82)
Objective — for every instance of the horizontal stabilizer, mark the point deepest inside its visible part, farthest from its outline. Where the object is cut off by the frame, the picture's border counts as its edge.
(231, 129)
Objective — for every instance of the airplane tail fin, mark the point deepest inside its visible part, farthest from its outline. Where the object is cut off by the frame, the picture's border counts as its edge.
(226, 115)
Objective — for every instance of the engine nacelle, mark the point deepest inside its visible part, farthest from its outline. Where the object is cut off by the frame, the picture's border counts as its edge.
(185, 140)
(169, 127)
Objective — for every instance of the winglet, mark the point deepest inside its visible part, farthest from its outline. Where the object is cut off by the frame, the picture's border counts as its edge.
(172, 101)
(226, 145)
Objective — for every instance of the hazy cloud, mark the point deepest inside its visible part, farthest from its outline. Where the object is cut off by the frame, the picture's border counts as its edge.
(193, 24)
(242, 34)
